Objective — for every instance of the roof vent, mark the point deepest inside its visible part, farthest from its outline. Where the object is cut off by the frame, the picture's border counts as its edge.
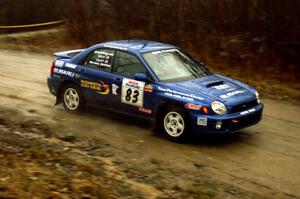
(214, 84)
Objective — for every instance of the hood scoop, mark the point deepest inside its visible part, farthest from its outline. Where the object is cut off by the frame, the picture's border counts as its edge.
(214, 84)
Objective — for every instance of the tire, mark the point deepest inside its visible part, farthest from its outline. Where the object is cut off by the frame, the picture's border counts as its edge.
(72, 98)
(175, 124)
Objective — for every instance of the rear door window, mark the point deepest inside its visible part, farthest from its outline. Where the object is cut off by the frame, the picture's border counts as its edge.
(101, 59)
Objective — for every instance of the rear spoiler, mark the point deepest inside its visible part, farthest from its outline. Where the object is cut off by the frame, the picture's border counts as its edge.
(68, 54)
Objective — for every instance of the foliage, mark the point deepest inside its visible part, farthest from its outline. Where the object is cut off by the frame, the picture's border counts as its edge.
(239, 30)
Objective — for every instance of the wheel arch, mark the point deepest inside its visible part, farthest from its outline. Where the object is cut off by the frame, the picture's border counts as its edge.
(159, 120)
(164, 106)
(60, 89)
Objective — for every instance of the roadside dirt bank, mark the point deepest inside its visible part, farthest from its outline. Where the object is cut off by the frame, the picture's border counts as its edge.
(45, 150)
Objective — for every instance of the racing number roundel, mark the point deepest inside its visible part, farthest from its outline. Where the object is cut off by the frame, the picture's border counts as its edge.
(133, 92)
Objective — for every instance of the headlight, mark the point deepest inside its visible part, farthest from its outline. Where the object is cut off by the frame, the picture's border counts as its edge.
(257, 96)
(218, 107)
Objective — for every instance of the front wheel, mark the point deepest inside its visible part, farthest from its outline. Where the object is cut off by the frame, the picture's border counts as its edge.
(72, 98)
(176, 124)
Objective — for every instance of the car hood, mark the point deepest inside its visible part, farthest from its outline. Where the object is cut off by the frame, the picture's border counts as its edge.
(217, 87)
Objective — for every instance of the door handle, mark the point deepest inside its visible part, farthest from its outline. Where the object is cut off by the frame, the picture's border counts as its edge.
(117, 79)
(81, 70)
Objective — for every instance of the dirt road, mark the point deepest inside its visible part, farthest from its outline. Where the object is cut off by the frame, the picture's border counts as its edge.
(261, 161)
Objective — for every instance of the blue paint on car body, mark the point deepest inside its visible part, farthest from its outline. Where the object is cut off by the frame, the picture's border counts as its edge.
(95, 72)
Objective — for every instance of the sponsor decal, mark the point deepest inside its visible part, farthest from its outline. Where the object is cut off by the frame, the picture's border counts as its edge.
(148, 88)
(102, 58)
(63, 72)
(57, 76)
(59, 63)
(201, 121)
(102, 54)
(145, 110)
(94, 63)
(100, 87)
(179, 95)
(99, 62)
(222, 87)
(192, 106)
(68, 65)
(248, 111)
(114, 89)
(230, 94)
(105, 64)
(132, 92)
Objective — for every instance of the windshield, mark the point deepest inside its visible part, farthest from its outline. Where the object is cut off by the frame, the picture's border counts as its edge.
(173, 65)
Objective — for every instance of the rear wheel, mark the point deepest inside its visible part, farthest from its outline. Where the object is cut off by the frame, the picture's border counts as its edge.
(175, 124)
(72, 98)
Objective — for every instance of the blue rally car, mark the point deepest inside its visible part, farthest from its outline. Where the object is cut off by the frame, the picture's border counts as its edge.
(156, 81)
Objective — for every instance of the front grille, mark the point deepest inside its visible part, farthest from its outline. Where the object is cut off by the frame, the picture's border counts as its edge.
(244, 106)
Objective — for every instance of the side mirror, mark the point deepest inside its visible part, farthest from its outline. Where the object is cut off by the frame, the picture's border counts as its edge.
(141, 77)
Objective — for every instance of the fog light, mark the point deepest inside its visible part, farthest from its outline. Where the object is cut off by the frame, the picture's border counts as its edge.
(219, 125)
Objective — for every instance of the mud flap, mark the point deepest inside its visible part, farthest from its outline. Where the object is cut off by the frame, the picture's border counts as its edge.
(58, 100)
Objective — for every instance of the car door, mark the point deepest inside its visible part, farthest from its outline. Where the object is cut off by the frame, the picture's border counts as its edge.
(95, 76)
(130, 95)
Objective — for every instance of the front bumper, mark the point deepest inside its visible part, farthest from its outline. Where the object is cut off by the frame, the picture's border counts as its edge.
(228, 123)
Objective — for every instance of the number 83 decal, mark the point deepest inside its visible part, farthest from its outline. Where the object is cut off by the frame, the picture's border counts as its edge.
(133, 92)
(132, 97)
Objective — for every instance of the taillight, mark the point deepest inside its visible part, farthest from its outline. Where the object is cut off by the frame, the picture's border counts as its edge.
(52, 68)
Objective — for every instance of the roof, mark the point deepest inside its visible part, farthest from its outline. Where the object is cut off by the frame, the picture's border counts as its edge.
(138, 45)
